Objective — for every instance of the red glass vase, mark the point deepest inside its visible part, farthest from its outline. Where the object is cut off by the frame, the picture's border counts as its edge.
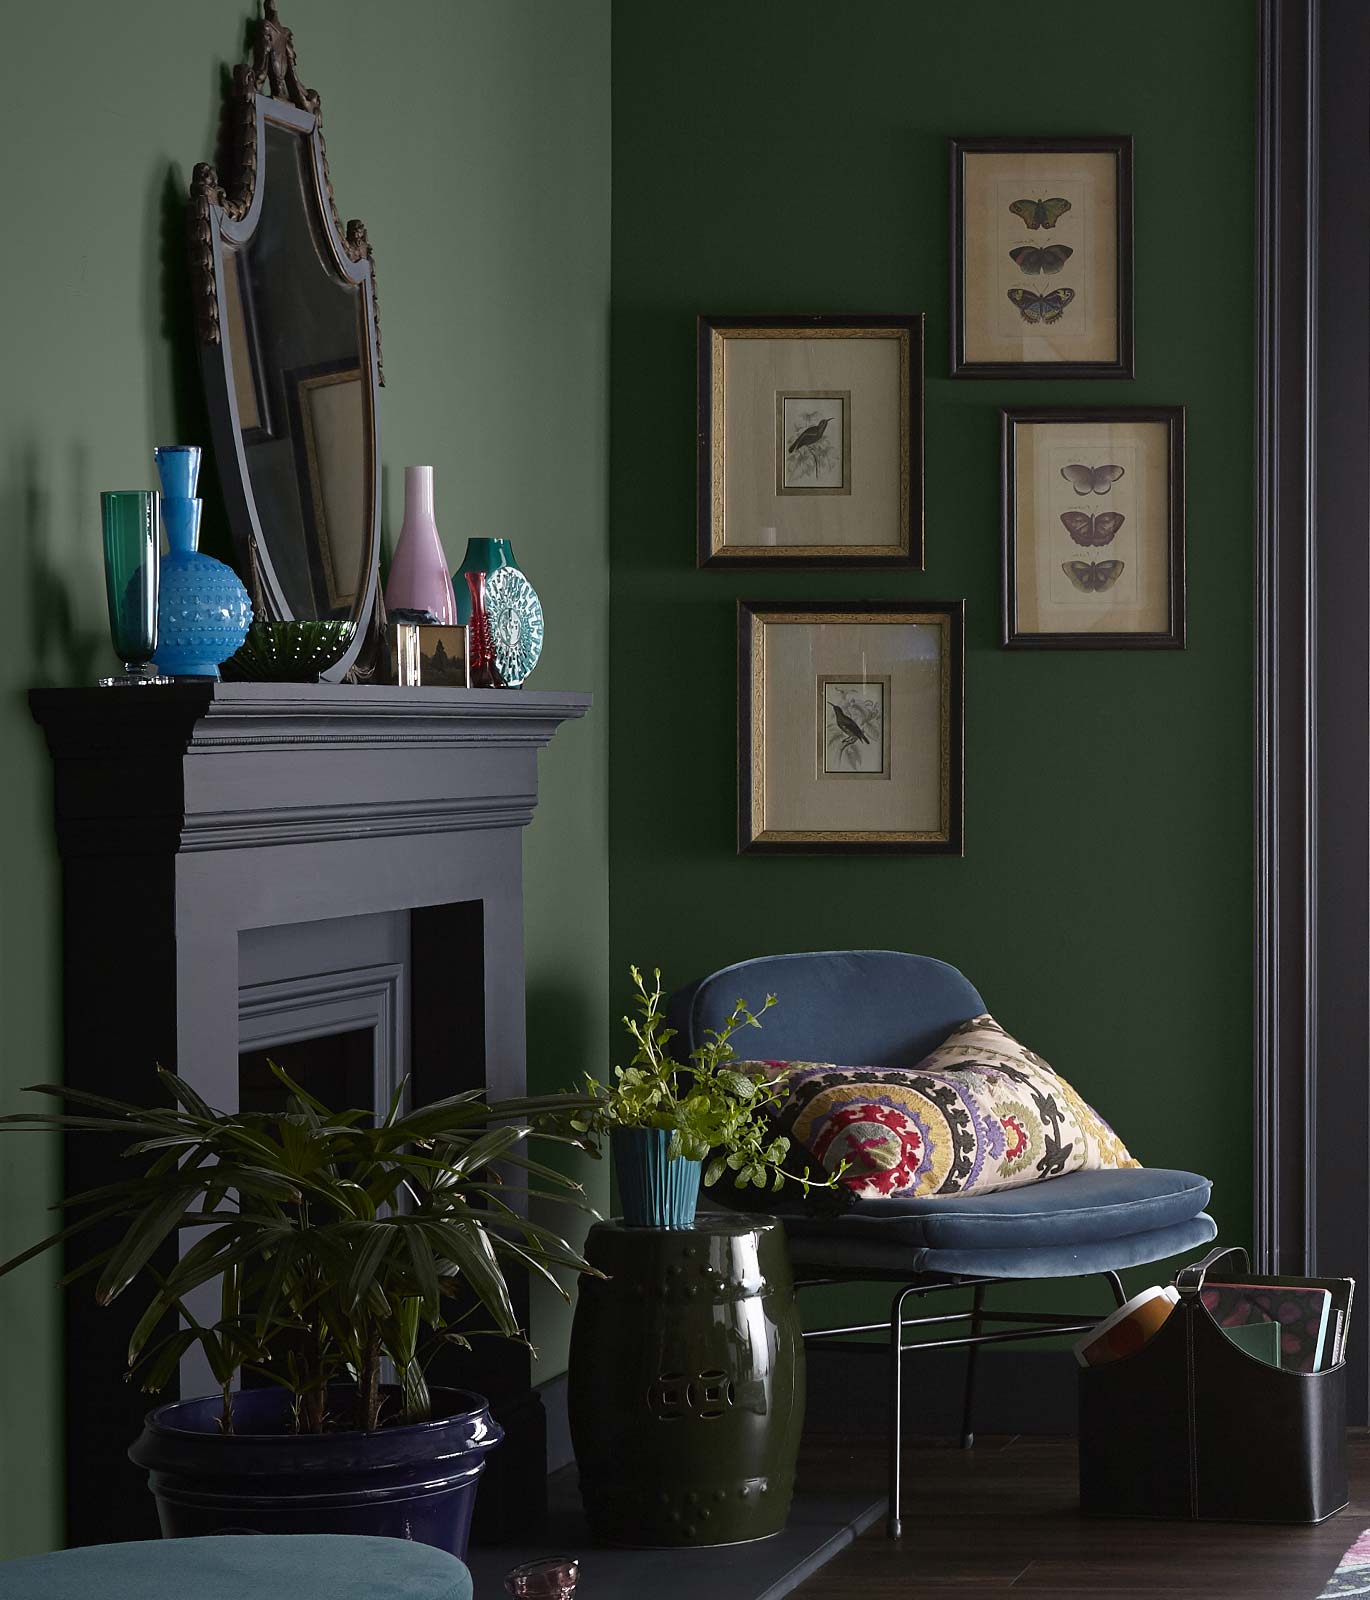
(480, 643)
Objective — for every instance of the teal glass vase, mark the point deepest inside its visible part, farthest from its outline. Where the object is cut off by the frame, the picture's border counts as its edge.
(130, 520)
(503, 613)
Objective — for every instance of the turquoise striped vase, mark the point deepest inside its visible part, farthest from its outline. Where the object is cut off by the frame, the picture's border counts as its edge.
(655, 1191)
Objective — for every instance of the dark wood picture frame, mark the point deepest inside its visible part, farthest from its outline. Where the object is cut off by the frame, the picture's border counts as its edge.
(751, 616)
(1124, 365)
(711, 550)
(1173, 637)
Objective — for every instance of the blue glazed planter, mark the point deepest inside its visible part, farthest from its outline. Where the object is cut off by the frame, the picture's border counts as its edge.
(416, 1482)
(655, 1191)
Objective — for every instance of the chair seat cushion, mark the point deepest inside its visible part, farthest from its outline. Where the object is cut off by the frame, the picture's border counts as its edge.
(1079, 1208)
(863, 1252)
(303, 1566)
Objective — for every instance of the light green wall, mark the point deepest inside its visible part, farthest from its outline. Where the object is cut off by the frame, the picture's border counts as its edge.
(473, 138)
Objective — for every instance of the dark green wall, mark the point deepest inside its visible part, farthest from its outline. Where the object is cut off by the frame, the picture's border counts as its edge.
(786, 155)
(473, 138)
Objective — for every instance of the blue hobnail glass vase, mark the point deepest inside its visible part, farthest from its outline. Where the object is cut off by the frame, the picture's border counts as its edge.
(654, 1191)
(203, 612)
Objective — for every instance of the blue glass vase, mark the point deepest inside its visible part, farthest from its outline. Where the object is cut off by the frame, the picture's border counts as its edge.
(203, 612)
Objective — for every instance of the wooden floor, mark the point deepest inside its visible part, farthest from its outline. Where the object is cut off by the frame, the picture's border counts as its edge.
(1003, 1518)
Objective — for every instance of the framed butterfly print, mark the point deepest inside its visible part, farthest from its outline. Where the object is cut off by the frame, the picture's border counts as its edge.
(810, 441)
(1041, 258)
(1093, 528)
(850, 722)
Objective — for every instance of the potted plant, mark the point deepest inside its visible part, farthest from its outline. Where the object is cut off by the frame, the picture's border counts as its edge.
(665, 1121)
(344, 1243)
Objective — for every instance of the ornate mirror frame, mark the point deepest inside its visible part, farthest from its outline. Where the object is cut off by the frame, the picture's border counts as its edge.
(226, 211)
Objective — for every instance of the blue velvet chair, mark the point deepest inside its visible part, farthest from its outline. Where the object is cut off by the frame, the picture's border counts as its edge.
(884, 1008)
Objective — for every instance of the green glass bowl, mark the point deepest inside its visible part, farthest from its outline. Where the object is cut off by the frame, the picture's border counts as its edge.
(288, 652)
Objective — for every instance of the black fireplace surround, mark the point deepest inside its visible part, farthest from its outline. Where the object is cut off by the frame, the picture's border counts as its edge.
(250, 869)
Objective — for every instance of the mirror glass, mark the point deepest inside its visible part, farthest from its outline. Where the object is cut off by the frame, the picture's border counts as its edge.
(296, 338)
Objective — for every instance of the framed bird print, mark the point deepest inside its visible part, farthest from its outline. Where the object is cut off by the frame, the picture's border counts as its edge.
(1093, 528)
(1041, 258)
(810, 441)
(850, 726)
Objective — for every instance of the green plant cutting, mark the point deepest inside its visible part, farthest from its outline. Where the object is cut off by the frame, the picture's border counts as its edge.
(713, 1112)
(340, 1239)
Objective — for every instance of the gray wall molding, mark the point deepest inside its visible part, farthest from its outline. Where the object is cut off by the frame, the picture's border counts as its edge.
(1312, 691)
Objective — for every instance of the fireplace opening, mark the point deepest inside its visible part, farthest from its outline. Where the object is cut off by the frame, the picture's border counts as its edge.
(338, 1069)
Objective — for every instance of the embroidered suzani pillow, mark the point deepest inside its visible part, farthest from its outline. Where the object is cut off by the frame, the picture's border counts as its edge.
(981, 1112)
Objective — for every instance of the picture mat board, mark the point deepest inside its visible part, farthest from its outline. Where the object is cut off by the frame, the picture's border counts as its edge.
(994, 331)
(789, 795)
(1046, 601)
(872, 365)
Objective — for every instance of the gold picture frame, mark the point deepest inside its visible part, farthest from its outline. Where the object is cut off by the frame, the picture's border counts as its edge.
(810, 441)
(887, 776)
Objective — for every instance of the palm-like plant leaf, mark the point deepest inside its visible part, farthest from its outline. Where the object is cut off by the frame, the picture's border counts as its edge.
(336, 1242)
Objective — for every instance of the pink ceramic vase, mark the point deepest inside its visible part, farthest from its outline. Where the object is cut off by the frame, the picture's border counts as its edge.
(419, 577)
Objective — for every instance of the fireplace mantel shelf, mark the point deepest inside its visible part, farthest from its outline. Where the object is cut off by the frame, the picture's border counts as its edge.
(216, 715)
(212, 766)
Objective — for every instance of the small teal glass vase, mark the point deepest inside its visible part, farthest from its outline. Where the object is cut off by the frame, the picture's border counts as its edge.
(203, 612)
(501, 608)
(131, 521)
(654, 1191)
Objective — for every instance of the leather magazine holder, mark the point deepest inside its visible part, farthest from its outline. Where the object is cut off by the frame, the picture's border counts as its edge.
(1191, 1426)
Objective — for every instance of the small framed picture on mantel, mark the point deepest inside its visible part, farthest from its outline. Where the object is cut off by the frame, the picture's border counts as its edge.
(810, 441)
(1093, 528)
(1041, 258)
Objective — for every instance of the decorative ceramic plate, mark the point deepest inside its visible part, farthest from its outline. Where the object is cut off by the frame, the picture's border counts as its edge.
(515, 614)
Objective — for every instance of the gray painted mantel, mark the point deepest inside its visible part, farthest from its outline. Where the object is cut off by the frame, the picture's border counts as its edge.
(193, 815)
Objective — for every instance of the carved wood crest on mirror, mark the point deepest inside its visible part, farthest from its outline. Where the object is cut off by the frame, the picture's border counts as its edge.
(289, 337)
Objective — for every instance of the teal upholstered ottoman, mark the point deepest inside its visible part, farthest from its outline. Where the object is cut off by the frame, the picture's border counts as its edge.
(268, 1566)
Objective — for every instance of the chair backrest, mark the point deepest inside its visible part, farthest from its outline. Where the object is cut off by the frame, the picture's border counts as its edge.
(868, 1008)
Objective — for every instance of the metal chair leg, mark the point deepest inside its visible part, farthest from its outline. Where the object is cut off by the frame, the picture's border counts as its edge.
(968, 1403)
(894, 1524)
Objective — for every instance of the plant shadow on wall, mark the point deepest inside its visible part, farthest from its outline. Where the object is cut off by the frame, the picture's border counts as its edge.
(61, 646)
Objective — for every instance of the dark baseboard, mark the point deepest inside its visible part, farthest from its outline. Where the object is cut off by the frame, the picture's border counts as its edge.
(1016, 1391)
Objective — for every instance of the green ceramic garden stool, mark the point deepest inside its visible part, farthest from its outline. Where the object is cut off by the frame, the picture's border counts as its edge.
(268, 1566)
(686, 1383)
